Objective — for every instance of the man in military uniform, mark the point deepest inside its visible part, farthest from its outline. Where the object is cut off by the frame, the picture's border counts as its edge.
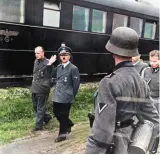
(41, 87)
(151, 76)
(121, 95)
(139, 64)
(67, 85)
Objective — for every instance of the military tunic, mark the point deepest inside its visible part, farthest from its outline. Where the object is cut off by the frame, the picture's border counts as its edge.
(67, 84)
(151, 76)
(121, 95)
(41, 82)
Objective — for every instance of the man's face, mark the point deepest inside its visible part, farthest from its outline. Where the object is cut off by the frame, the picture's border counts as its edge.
(39, 53)
(64, 57)
(154, 62)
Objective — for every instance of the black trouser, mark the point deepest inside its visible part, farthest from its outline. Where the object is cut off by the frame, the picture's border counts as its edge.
(61, 112)
(39, 106)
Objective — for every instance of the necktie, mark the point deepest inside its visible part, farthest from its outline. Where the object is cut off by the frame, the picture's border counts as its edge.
(62, 66)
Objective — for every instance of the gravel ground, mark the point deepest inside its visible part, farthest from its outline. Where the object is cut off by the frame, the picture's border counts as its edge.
(43, 142)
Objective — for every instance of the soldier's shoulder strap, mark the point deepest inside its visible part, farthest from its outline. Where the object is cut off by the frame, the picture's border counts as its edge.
(143, 72)
(109, 75)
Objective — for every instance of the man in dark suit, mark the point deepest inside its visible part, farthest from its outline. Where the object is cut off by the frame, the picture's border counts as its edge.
(41, 87)
(67, 85)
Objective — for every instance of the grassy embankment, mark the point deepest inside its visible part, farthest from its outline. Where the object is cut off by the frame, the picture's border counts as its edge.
(17, 116)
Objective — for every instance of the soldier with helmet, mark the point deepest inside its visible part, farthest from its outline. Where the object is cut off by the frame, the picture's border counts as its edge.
(67, 85)
(121, 95)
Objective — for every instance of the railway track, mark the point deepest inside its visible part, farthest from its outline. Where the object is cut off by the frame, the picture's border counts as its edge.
(27, 80)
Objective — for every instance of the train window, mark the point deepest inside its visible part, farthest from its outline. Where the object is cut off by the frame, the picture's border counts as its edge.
(80, 19)
(119, 20)
(99, 21)
(136, 24)
(149, 30)
(12, 10)
(51, 13)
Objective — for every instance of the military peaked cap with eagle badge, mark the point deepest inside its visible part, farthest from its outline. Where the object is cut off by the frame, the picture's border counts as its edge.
(64, 49)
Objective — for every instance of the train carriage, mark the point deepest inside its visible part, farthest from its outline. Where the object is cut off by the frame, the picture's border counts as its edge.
(85, 26)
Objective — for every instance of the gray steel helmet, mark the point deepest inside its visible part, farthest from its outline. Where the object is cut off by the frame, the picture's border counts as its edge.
(123, 42)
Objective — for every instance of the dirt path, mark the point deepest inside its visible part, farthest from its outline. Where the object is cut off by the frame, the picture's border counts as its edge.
(43, 143)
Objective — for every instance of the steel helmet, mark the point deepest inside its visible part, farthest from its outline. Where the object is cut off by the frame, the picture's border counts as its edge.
(123, 42)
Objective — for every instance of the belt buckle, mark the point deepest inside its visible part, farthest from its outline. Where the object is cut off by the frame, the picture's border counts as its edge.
(118, 124)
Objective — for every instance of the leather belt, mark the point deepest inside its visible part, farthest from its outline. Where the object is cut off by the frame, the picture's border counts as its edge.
(124, 124)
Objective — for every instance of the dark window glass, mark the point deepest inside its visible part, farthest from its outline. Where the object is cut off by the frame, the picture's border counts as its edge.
(99, 21)
(12, 10)
(80, 18)
(136, 24)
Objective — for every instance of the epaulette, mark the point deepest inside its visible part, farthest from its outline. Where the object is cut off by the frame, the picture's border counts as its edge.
(109, 75)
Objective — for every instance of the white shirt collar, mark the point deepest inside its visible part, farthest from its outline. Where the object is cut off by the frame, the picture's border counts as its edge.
(65, 64)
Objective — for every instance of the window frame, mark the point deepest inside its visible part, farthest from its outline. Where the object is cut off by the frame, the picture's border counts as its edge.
(24, 16)
(150, 22)
(89, 18)
(51, 9)
(141, 25)
(114, 13)
(104, 12)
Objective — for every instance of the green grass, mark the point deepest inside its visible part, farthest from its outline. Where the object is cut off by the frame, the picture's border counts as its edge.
(17, 115)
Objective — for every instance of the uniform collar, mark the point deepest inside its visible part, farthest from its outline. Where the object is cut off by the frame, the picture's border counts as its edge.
(124, 64)
(65, 64)
(155, 70)
(40, 60)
